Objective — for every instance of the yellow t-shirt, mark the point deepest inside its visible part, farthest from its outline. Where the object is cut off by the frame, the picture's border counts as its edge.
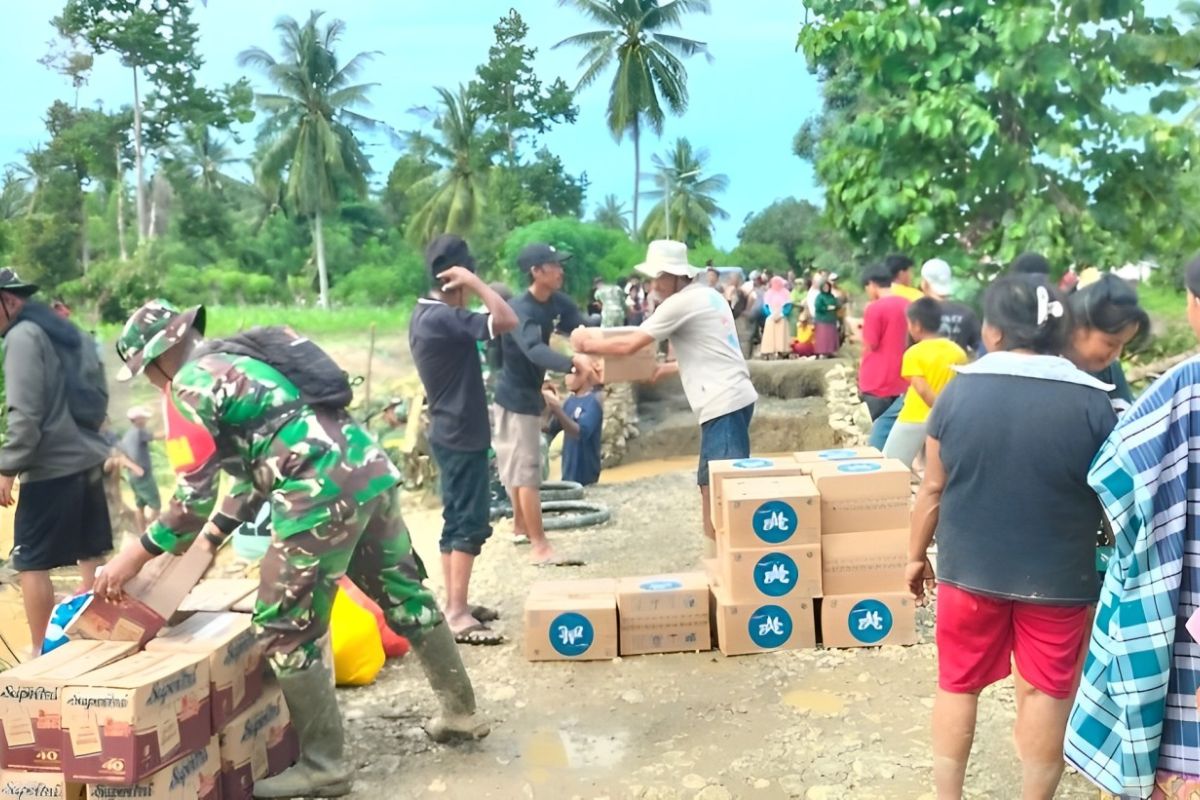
(907, 292)
(934, 360)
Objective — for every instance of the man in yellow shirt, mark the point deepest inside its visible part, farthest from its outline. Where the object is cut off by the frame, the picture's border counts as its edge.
(929, 367)
(902, 284)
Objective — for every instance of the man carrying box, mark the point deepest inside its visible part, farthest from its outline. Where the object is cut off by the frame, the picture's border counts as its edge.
(334, 511)
(715, 377)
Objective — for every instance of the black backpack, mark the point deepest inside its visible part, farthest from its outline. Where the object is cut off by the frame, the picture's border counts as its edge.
(84, 381)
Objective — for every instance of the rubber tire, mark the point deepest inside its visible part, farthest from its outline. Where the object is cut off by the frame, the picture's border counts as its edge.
(592, 514)
(553, 491)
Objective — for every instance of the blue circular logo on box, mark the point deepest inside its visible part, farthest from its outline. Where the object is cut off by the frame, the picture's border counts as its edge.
(753, 463)
(837, 455)
(660, 586)
(770, 627)
(774, 522)
(571, 634)
(870, 621)
(775, 574)
(860, 466)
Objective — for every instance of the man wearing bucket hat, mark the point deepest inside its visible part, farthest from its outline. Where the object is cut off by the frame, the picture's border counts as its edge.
(715, 377)
(62, 512)
(334, 511)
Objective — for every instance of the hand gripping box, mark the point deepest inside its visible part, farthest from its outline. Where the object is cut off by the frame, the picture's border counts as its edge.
(15, 785)
(809, 458)
(638, 366)
(235, 658)
(758, 574)
(30, 702)
(769, 511)
(571, 621)
(258, 743)
(126, 721)
(785, 623)
(197, 776)
(868, 620)
(663, 614)
(863, 495)
(753, 467)
(866, 561)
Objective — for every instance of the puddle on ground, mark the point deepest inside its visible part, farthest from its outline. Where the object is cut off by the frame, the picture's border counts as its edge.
(567, 749)
(815, 702)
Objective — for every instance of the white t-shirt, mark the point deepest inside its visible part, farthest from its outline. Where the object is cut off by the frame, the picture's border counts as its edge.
(700, 326)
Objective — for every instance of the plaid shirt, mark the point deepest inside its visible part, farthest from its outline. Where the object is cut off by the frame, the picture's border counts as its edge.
(1135, 712)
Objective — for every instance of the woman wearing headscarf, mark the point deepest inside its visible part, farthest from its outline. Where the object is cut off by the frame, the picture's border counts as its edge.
(777, 305)
(825, 319)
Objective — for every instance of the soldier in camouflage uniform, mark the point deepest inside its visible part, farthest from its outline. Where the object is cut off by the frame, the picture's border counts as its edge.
(334, 511)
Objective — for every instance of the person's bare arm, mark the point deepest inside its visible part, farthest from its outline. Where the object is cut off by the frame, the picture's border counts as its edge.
(569, 426)
(923, 389)
(919, 571)
(504, 319)
(621, 345)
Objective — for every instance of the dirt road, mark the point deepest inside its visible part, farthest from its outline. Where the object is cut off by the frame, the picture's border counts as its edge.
(810, 724)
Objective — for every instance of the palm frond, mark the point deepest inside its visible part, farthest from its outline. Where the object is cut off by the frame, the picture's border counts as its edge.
(596, 10)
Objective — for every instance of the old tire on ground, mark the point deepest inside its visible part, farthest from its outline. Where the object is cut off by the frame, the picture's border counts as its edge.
(553, 491)
(561, 515)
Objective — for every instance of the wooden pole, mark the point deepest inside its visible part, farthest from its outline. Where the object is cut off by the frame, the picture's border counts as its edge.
(370, 359)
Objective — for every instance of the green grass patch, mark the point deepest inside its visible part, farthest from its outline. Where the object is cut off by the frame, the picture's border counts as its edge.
(1163, 303)
(314, 322)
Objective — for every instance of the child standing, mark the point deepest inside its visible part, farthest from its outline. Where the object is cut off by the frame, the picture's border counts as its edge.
(581, 418)
(928, 366)
(136, 445)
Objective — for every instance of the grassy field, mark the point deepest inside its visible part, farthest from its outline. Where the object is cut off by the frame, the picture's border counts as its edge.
(345, 322)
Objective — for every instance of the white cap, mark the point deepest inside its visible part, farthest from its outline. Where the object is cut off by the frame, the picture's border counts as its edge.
(938, 275)
(139, 412)
(664, 255)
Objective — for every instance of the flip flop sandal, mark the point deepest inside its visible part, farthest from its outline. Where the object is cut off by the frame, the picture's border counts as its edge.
(479, 635)
(485, 614)
(520, 539)
(561, 561)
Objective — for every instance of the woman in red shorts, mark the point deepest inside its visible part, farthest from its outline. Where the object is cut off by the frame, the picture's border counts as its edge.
(1006, 492)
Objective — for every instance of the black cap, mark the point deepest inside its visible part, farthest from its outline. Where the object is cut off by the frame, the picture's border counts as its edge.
(10, 281)
(538, 253)
(448, 251)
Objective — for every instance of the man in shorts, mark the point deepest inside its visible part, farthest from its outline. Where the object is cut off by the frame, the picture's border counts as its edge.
(136, 445)
(62, 513)
(715, 377)
(526, 355)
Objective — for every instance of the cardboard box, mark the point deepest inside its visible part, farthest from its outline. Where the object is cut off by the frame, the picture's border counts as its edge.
(868, 620)
(786, 623)
(246, 604)
(258, 743)
(863, 495)
(150, 599)
(663, 614)
(235, 659)
(30, 709)
(760, 574)
(124, 722)
(769, 512)
(217, 594)
(752, 467)
(567, 623)
(810, 457)
(16, 785)
(638, 366)
(868, 561)
(197, 775)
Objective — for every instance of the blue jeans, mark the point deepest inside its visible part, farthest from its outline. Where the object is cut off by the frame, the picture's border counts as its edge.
(882, 427)
(466, 499)
(724, 437)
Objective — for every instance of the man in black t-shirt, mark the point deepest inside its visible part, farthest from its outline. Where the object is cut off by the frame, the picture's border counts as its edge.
(526, 355)
(442, 337)
(960, 323)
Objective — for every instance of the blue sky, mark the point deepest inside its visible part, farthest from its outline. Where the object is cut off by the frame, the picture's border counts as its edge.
(745, 106)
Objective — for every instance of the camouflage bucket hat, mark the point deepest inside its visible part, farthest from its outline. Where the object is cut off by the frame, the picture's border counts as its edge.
(151, 331)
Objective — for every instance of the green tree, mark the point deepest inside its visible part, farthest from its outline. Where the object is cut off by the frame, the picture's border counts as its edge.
(977, 130)
(679, 174)
(463, 158)
(612, 214)
(509, 94)
(203, 159)
(311, 122)
(799, 229)
(15, 196)
(596, 252)
(649, 64)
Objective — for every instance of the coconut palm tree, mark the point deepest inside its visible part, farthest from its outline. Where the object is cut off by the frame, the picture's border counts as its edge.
(204, 159)
(311, 122)
(464, 159)
(649, 64)
(679, 174)
(612, 214)
(15, 196)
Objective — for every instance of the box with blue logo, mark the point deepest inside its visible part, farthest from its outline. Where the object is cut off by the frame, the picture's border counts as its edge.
(663, 614)
(770, 511)
(868, 620)
(755, 467)
(749, 574)
(807, 458)
(863, 495)
(763, 626)
(571, 621)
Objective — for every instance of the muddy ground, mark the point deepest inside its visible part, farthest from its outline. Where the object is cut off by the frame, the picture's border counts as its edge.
(809, 724)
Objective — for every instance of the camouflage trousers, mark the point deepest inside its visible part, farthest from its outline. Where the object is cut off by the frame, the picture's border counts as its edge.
(300, 573)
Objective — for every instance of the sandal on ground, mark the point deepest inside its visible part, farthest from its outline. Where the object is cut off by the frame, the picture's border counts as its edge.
(479, 635)
(561, 561)
(485, 614)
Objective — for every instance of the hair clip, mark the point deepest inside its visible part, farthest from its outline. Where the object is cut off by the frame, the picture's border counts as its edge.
(1047, 308)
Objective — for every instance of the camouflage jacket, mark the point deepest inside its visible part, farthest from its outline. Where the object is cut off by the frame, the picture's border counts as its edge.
(223, 412)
